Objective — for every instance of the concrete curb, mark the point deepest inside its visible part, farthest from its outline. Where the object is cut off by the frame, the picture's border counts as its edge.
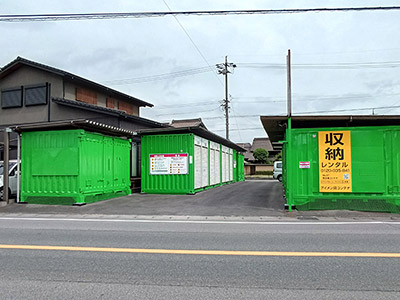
(237, 219)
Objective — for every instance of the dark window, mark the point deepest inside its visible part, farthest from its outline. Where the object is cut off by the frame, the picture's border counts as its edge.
(36, 95)
(11, 97)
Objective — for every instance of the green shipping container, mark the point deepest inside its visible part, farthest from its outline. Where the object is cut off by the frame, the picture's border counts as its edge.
(73, 167)
(184, 164)
(369, 181)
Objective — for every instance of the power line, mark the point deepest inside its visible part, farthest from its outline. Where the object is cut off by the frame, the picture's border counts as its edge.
(96, 16)
(332, 66)
(320, 111)
(349, 109)
(267, 100)
(157, 77)
(183, 113)
(300, 98)
(194, 44)
(195, 71)
(184, 105)
(241, 129)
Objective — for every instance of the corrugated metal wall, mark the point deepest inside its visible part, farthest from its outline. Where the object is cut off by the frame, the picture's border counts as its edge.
(73, 166)
(171, 183)
(375, 159)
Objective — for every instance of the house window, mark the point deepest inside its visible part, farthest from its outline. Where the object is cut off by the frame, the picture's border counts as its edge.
(126, 107)
(11, 97)
(86, 96)
(110, 103)
(36, 94)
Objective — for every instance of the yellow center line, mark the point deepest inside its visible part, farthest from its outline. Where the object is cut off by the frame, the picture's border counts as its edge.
(203, 252)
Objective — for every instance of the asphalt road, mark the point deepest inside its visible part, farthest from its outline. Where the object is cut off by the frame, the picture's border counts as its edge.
(290, 272)
(249, 198)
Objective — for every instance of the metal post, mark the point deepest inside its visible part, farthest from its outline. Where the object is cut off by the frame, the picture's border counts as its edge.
(289, 85)
(226, 100)
(6, 164)
(289, 135)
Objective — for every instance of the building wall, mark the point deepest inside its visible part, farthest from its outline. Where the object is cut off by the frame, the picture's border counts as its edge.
(103, 100)
(253, 168)
(24, 76)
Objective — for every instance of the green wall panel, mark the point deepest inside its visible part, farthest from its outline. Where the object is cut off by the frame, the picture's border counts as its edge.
(375, 158)
(169, 183)
(73, 167)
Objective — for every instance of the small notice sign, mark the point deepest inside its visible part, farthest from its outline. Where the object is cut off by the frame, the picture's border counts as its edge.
(304, 164)
(167, 164)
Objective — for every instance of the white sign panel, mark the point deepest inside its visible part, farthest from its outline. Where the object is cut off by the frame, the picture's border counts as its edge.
(304, 165)
(167, 164)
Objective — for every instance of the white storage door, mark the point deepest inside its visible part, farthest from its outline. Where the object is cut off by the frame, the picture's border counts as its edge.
(230, 164)
(217, 165)
(212, 166)
(225, 164)
(197, 162)
(204, 159)
(214, 163)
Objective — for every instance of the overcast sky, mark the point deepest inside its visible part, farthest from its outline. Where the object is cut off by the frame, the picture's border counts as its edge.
(337, 49)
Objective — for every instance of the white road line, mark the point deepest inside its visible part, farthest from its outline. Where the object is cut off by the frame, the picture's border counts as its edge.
(298, 222)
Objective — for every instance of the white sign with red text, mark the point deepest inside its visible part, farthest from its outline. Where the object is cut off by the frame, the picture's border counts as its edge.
(168, 164)
(304, 164)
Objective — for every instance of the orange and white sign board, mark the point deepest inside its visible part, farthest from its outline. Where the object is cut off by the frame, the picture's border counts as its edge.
(334, 161)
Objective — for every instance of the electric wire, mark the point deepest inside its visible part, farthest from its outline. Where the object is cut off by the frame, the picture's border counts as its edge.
(268, 100)
(172, 75)
(195, 71)
(100, 16)
(194, 44)
(332, 66)
(320, 111)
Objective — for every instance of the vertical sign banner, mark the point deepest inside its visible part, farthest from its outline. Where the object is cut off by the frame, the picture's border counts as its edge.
(167, 164)
(334, 161)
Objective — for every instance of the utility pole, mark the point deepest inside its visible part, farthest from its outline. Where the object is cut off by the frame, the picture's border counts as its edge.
(289, 84)
(223, 69)
(289, 192)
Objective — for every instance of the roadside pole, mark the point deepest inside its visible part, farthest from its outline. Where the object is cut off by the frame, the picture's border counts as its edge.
(289, 134)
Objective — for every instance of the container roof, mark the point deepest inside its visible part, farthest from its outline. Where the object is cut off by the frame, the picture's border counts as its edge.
(275, 126)
(19, 61)
(197, 130)
(188, 123)
(76, 124)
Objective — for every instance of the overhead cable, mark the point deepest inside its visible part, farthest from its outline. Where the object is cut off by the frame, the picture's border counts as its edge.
(332, 66)
(194, 44)
(97, 16)
(163, 76)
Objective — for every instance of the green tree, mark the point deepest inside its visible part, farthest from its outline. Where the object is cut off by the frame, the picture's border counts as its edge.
(261, 155)
(278, 156)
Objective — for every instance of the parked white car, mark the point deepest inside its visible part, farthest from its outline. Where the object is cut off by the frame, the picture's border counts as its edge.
(13, 178)
(278, 170)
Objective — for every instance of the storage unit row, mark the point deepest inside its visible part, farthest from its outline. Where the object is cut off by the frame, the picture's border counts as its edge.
(187, 163)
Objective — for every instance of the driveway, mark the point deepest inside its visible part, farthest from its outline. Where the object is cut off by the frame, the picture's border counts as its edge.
(249, 198)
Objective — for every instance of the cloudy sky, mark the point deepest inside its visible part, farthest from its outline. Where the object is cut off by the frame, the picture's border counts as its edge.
(343, 62)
